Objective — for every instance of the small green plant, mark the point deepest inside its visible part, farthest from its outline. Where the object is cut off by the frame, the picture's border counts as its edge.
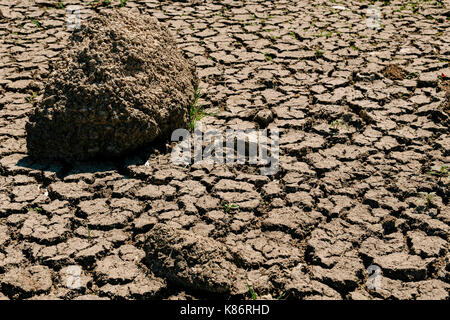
(281, 296)
(403, 7)
(123, 3)
(32, 97)
(229, 206)
(325, 34)
(428, 197)
(338, 124)
(60, 5)
(267, 56)
(36, 23)
(252, 292)
(355, 48)
(196, 111)
(35, 209)
(439, 171)
(319, 53)
(412, 75)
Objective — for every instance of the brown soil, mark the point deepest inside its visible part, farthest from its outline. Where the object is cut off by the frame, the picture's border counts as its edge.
(356, 151)
(394, 72)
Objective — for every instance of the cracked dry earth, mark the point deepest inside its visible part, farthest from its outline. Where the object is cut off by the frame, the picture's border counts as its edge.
(363, 115)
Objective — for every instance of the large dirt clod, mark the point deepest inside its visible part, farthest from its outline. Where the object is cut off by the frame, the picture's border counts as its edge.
(121, 84)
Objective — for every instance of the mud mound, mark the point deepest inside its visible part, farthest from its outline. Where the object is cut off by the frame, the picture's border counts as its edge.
(192, 261)
(120, 84)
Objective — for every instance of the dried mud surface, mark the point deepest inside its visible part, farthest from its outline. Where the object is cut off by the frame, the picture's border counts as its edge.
(356, 147)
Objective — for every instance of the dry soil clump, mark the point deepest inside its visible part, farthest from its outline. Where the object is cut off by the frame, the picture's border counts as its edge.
(394, 72)
(120, 84)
